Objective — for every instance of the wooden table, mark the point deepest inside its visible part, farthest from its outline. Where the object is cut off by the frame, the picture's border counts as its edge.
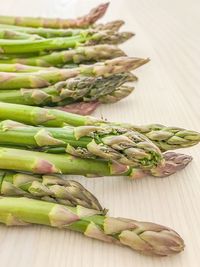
(168, 92)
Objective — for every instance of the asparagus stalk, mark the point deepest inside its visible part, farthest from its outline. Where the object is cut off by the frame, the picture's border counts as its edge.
(77, 55)
(177, 137)
(51, 33)
(144, 237)
(21, 68)
(131, 149)
(46, 78)
(15, 35)
(81, 22)
(78, 88)
(87, 37)
(47, 188)
(46, 163)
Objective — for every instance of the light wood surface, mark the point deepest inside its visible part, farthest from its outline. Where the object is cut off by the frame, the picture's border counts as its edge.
(168, 92)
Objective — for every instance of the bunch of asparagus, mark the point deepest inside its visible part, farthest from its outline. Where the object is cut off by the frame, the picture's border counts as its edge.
(39, 55)
(41, 72)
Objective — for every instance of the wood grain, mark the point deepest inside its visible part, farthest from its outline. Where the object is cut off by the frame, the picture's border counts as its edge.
(168, 92)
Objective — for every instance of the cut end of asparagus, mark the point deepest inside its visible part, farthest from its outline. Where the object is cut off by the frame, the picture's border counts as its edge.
(174, 162)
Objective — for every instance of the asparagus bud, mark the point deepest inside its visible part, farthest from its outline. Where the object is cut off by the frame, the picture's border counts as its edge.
(48, 188)
(41, 79)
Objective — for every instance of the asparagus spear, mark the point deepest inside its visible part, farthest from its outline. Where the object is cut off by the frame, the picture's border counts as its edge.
(46, 78)
(87, 38)
(81, 22)
(46, 163)
(15, 35)
(48, 188)
(51, 33)
(57, 118)
(131, 148)
(77, 55)
(71, 90)
(49, 163)
(144, 237)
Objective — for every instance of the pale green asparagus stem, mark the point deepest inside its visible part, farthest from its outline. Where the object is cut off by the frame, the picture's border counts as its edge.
(88, 37)
(17, 68)
(46, 78)
(173, 137)
(48, 32)
(144, 237)
(81, 22)
(7, 33)
(51, 33)
(46, 163)
(77, 56)
(47, 188)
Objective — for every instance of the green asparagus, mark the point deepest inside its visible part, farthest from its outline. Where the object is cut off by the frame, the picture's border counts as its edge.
(47, 188)
(144, 237)
(81, 22)
(78, 88)
(77, 55)
(46, 163)
(88, 37)
(131, 148)
(51, 33)
(45, 78)
(21, 68)
(84, 141)
(15, 35)
(166, 138)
